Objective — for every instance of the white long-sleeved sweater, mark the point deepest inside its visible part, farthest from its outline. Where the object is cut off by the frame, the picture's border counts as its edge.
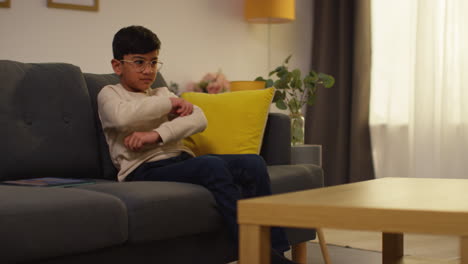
(123, 112)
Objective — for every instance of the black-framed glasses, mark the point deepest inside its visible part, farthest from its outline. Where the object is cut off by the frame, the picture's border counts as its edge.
(140, 65)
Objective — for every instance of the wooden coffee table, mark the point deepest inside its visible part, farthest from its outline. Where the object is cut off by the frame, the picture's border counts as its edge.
(391, 205)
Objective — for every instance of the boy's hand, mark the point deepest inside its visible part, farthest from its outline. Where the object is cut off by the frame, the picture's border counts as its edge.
(137, 140)
(181, 107)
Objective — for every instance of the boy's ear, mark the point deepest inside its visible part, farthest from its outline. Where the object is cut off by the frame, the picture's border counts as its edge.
(117, 66)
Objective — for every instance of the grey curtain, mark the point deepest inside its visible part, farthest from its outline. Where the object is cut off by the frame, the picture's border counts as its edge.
(339, 119)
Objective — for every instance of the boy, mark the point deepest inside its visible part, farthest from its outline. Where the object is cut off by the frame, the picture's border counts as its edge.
(144, 129)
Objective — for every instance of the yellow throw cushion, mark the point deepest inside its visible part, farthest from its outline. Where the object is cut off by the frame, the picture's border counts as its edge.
(236, 121)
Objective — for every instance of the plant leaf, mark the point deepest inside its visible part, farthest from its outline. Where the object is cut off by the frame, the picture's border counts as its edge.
(282, 72)
(328, 80)
(269, 83)
(312, 97)
(284, 79)
(279, 84)
(309, 82)
(313, 75)
(296, 80)
(279, 68)
(290, 86)
(281, 105)
(279, 96)
(296, 73)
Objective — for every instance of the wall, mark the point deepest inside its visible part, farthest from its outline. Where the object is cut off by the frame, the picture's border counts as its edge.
(197, 36)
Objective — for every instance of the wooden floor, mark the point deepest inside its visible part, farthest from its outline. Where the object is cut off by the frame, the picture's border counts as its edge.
(343, 255)
(421, 245)
(362, 247)
(340, 255)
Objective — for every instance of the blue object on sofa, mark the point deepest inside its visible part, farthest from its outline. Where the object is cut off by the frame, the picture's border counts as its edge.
(50, 128)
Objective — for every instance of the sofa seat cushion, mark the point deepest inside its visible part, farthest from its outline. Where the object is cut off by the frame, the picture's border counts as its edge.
(162, 210)
(44, 222)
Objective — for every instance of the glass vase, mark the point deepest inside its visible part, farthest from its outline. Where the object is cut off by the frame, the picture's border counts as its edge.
(297, 129)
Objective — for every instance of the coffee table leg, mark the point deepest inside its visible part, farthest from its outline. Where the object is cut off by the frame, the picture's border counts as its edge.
(392, 248)
(254, 244)
(464, 250)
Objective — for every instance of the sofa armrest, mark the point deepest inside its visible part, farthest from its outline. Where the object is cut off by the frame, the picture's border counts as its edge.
(276, 146)
(293, 178)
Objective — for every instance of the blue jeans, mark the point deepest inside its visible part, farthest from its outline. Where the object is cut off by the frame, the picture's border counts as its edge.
(228, 177)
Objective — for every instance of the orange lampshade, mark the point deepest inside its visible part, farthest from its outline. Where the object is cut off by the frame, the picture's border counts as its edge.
(270, 11)
(246, 85)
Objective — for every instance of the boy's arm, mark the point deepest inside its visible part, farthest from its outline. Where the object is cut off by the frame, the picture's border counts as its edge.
(116, 112)
(137, 140)
(183, 126)
(175, 130)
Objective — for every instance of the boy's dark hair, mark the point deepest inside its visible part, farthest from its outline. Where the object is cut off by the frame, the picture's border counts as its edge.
(134, 40)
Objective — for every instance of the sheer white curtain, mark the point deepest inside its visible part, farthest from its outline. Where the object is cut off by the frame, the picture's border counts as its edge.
(419, 88)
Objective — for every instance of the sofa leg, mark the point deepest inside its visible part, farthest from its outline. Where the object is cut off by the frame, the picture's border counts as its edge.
(299, 253)
(323, 246)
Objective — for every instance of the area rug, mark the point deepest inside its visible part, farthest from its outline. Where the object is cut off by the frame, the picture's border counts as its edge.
(420, 246)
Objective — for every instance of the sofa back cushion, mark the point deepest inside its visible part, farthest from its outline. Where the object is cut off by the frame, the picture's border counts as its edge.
(276, 146)
(48, 129)
(95, 82)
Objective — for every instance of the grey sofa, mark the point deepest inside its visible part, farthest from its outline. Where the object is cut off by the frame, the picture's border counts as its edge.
(50, 128)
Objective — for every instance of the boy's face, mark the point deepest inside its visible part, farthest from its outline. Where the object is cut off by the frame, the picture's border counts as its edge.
(135, 76)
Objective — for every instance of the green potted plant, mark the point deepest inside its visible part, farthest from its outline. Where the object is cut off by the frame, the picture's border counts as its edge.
(293, 91)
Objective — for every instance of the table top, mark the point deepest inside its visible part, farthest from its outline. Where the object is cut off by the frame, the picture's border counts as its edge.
(418, 205)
